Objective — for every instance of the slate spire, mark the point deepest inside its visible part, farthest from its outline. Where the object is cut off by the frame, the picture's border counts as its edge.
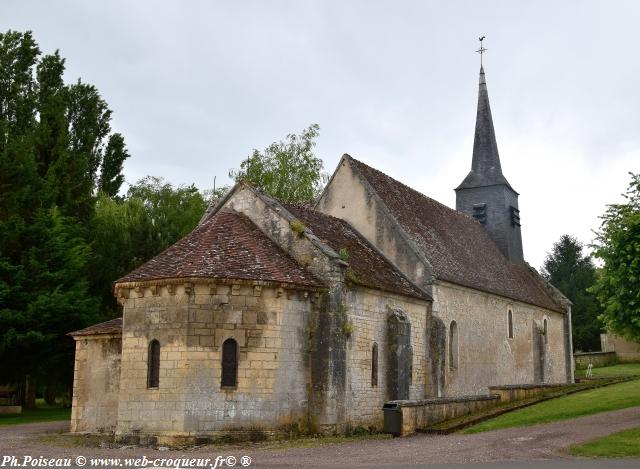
(485, 165)
(485, 194)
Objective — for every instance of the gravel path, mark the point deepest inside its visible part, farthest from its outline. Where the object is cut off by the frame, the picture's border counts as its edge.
(528, 443)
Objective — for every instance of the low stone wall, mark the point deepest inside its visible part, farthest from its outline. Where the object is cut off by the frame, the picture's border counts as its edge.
(518, 392)
(10, 409)
(598, 359)
(404, 418)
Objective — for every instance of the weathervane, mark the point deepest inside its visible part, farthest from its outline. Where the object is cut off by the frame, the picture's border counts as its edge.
(482, 50)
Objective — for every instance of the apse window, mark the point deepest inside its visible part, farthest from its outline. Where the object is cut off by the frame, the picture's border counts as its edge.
(153, 365)
(453, 345)
(229, 364)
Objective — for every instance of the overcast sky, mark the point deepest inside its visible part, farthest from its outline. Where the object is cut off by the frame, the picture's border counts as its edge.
(196, 85)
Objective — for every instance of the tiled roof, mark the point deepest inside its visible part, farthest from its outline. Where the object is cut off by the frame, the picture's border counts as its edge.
(367, 266)
(227, 245)
(113, 326)
(459, 248)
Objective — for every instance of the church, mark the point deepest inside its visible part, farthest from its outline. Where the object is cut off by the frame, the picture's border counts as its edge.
(272, 317)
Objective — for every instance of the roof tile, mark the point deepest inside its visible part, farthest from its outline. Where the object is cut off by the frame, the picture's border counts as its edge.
(227, 245)
(114, 326)
(367, 265)
(459, 248)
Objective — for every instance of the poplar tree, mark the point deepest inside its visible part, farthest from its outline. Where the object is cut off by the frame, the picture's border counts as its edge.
(56, 152)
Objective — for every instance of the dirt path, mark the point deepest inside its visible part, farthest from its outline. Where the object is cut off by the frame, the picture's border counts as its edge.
(528, 443)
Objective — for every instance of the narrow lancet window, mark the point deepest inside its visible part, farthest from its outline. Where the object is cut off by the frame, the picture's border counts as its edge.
(453, 345)
(153, 364)
(374, 365)
(229, 364)
(510, 325)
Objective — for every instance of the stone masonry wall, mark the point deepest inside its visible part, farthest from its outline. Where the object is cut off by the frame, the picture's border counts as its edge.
(368, 313)
(191, 321)
(96, 380)
(486, 356)
(626, 351)
(328, 347)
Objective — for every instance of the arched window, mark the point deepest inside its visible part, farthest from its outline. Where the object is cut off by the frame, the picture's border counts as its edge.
(229, 364)
(510, 324)
(453, 345)
(374, 365)
(545, 330)
(153, 364)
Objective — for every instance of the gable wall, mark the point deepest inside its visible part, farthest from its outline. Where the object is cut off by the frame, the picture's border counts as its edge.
(486, 356)
(278, 229)
(347, 197)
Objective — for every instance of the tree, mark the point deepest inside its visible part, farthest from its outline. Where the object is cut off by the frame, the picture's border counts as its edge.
(171, 212)
(618, 245)
(128, 232)
(111, 177)
(55, 146)
(573, 273)
(288, 170)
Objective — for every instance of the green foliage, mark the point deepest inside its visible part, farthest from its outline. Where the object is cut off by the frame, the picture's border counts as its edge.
(618, 245)
(573, 272)
(111, 177)
(288, 170)
(344, 254)
(128, 232)
(44, 295)
(55, 146)
(297, 226)
(172, 212)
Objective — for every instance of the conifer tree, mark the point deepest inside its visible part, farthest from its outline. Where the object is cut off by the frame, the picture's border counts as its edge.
(573, 273)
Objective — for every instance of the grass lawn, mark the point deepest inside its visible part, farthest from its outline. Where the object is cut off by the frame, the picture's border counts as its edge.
(36, 415)
(614, 397)
(619, 445)
(625, 369)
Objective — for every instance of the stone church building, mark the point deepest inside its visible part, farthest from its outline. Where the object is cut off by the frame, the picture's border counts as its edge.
(276, 317)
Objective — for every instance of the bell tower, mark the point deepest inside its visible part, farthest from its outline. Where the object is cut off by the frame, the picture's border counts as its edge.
(485, 193)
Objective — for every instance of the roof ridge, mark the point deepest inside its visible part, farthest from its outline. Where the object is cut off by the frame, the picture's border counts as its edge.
(445, 206)
(420, 218)
(312, 209)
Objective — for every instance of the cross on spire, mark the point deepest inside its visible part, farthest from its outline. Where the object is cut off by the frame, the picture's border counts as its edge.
(482, 50)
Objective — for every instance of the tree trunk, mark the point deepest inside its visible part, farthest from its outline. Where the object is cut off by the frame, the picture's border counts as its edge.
(29, 396)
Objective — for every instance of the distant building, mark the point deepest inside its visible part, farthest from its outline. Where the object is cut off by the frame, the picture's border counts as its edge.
(625, 350)
(277, 317)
